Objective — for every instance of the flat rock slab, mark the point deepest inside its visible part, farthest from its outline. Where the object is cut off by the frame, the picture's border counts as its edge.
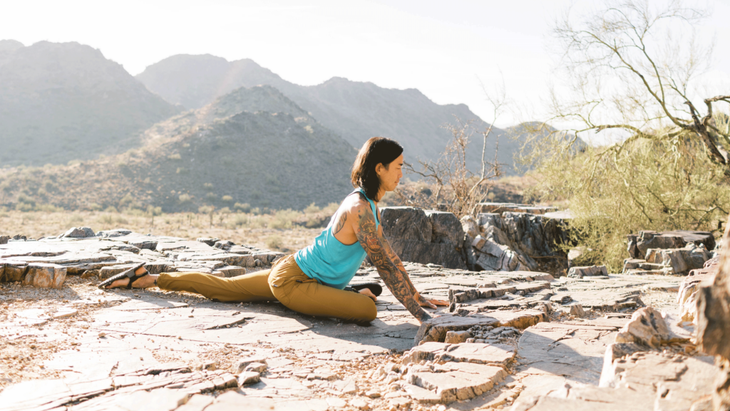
(459, 381)
(496, 354)
(574, 351)
(645, 380)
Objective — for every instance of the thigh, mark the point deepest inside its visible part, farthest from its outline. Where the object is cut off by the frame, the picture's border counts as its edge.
(250, 285)
(303, 294)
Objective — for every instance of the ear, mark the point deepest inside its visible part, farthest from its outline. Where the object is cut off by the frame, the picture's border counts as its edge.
(380, 168)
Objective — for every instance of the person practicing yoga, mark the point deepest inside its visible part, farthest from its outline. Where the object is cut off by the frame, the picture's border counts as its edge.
(313, 281)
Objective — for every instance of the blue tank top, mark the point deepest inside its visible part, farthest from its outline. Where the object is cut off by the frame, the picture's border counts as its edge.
(328, 260)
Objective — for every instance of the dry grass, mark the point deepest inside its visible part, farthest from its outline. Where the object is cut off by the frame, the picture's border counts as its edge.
(257, 230)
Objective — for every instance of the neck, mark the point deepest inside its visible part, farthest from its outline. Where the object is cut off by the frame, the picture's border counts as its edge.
(380, 195)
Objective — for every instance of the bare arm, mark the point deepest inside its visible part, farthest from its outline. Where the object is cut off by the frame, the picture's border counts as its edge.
(387, 263)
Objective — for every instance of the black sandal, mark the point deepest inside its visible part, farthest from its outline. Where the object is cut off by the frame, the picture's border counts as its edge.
(130, 273)
(374, 288)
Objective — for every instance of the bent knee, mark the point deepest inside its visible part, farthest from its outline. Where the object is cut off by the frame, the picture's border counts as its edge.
(367, 314)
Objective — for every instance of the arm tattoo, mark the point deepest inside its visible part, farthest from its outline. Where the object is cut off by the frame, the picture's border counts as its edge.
(388, 264)
(340, 223)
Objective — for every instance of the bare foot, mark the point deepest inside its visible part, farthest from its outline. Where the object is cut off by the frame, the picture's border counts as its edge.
(146, 281)
(369, 293)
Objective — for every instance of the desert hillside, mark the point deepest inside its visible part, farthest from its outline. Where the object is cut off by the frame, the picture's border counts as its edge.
(219, 155)
(65, 101)
(354, 110)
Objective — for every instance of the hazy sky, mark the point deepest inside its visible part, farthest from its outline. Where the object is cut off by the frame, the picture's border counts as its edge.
(446, 49)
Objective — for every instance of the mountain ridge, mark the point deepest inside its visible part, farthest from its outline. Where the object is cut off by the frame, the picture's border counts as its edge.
(355, 110)
(66, 101)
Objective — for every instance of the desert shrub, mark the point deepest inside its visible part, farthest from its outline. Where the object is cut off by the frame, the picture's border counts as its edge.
(311, 209)
(283, 219)
(244, 208)
(154, 211)
(134, 212)
(75, 219)
(128, 201)
(240, 220)
(206, 209)
(635, 185)
(106, 219)
(208, 186)
(274, 242)
(211, 197)
(174, 156)
(111, 209)
(227, 199)
(24, 207)
(95, 207)
(184, 198)
(48, 208)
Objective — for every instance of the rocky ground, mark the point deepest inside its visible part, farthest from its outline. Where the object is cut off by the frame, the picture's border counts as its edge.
(520, 340)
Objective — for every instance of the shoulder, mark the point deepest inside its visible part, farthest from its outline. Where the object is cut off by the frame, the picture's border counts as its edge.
(357, 206)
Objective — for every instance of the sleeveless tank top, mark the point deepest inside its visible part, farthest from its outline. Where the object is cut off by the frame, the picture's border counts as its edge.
(328, 260)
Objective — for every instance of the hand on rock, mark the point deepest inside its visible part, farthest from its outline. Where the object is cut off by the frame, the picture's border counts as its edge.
(430, 303)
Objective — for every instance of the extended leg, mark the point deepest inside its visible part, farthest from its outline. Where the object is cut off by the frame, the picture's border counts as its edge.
(246, 288)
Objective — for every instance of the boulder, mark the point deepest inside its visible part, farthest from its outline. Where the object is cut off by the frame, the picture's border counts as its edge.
(713, 322)
(78, 232)
(4, 239)
(592, 271)
(45, 275)
(406, 223)
(639, 244)
(426, 237)
(446, 227)
(647, 327)
(15, 272)
(514, 242)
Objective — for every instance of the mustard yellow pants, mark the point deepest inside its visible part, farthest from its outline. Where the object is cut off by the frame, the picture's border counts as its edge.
(284, 282)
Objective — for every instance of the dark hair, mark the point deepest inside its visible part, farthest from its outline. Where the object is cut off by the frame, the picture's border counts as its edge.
(377, 150)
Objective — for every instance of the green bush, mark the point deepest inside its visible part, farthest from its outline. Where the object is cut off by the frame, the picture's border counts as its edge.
(244, 208)
(623, 189)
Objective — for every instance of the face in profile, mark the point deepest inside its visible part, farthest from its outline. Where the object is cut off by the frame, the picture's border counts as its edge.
(390, 176)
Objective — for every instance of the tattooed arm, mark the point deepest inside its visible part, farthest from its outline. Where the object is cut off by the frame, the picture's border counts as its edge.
(388, 264)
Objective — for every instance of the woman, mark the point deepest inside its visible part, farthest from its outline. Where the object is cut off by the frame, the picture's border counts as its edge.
(312, 281)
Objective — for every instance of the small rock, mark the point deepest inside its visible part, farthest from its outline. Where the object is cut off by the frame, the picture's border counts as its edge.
(248, 378)
(210, 365)
(256, 367)
(577, 310)
(456, 337)
(360, 404)
(592, 271)
(78, 232)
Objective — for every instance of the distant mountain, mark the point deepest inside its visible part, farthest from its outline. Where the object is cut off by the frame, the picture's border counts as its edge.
(354, 110)
(65, 101)
(230, 151)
